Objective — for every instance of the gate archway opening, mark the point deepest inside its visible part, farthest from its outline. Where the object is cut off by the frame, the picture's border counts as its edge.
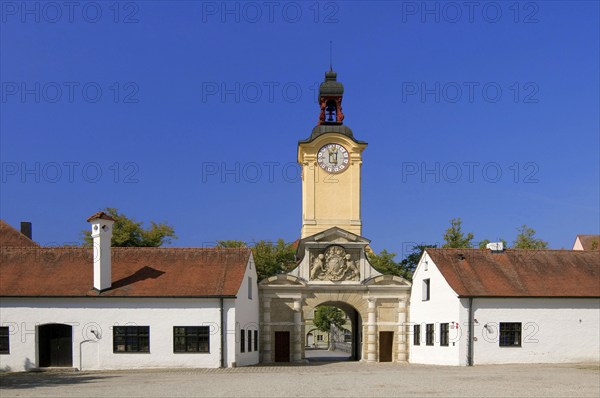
(342, 343)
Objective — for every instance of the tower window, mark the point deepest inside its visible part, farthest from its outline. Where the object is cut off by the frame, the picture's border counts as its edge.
(331, 111)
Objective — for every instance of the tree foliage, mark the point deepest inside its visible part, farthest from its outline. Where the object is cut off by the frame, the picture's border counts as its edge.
(130, 233)
(236, 244)
(454, 236)
(526, 239)
(385, 262)
(327, 316)
(270, 258)
(409, 264)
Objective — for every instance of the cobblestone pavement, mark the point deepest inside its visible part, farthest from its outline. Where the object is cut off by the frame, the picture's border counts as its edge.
(347, 379)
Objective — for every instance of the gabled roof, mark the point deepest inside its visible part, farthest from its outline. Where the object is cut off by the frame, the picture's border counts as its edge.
(136, 272)
(100, 216)
(589, 242)
(519, 273)
(13, 238)
(330, 236)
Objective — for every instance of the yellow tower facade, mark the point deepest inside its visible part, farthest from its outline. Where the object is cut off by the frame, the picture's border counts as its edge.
(331, 160)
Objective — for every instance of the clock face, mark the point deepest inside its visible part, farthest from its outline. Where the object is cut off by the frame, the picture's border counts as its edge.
(333, 158)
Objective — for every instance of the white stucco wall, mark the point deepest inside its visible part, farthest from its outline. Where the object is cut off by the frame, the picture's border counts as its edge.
(442, 307)
(577, 245)
(553, 330)
(23, 315)
(246, 317)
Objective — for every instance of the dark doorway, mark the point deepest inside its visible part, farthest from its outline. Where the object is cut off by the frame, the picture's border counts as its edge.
(386, 341)
(282, 346)
(55, 345)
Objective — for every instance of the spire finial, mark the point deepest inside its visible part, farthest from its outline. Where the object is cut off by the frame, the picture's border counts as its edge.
(330, 56)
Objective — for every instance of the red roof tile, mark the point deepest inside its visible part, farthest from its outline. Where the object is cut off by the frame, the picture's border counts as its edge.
(100, 215)
(519, 273)
(136, 272)
(10, 237)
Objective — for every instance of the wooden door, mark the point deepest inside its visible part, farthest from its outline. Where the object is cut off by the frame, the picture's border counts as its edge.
(55, 345)
(386, 342)
(282, 346)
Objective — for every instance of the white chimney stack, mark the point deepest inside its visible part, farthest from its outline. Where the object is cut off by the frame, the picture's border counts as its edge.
(102, 225)
(495, 246)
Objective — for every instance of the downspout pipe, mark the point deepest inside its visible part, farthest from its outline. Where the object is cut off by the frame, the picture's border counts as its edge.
(222, 334)
(471, 334)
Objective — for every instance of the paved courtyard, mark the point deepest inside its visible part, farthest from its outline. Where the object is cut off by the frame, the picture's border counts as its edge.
(347, 379)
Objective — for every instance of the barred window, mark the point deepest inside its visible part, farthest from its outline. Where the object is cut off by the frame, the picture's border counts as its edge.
(429, 334)
(131, 339)
(256, 340)
(510, 334)
(444, 334)
(249, 340)
(191, 339)
(242, 340)
(4, 340)
(417, 335)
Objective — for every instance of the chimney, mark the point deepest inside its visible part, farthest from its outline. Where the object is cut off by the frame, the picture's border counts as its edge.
(495, 247)
(26, 228)
(102, 225)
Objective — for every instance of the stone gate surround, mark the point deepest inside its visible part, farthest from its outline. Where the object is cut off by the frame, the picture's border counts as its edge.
(375, 303)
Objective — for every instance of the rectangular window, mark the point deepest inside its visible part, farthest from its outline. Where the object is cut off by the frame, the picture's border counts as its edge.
(429, 334)
(417, 335)
(249, 289)
(131, 339)
(320, 337)
(426, 290)
(249, 340)
(256, 340)
(510, 334)
(243, 341)
(444, 334)
(4, 341)
(191, 339)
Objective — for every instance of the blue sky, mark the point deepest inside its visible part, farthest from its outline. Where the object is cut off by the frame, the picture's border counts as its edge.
(190, 112)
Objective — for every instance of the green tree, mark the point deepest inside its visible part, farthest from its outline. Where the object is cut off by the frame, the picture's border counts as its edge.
(129, 233)
(236, 244)
(384, 262)
(326, 317)
(270, 258)
(412, 260)
(454, 236)
(527, 240)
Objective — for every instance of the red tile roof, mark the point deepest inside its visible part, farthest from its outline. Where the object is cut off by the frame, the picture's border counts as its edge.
(13, 238)
(136, 272)
(100, 215)
(519, 273)
(590, 242)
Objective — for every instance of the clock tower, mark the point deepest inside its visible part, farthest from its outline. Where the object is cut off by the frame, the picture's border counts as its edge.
(331, 160)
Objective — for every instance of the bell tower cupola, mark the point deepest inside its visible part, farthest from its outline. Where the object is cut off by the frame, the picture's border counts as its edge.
(331, 160)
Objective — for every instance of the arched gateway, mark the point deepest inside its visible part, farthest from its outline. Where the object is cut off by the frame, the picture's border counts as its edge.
(334, 270)
(332, 264)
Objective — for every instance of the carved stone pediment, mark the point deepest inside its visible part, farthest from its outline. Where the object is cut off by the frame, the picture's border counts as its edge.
(333, 264)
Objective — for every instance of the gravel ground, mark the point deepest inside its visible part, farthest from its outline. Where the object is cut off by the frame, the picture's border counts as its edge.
(347, 379)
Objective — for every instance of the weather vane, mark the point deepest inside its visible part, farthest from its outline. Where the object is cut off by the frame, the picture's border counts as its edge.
(330, 55)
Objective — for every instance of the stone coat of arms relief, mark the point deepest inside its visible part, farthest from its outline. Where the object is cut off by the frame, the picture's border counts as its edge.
(334, 265)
